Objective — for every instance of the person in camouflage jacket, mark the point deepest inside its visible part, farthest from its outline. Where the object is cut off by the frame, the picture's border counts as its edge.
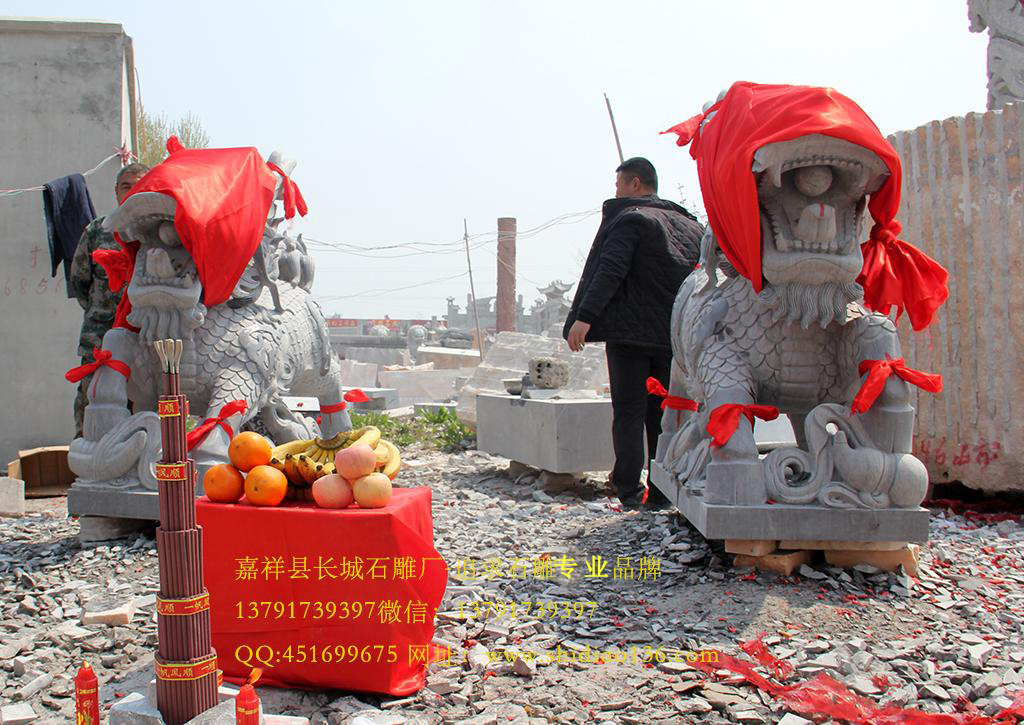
(92, 289)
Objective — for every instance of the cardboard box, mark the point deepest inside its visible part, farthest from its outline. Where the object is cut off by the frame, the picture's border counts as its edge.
(45, 471)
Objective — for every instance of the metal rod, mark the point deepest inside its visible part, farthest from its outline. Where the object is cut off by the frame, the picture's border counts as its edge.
(615, 130)
(472, 290)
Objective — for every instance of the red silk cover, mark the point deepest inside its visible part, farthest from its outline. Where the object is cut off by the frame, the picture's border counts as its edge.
(236, 532)
(672, 402)
(895, 273)
(103, 358)
(223, 198)
(197, 434)
(878, 371)
(725, 419)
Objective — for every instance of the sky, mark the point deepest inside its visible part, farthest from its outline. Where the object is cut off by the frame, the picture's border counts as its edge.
(408, 117)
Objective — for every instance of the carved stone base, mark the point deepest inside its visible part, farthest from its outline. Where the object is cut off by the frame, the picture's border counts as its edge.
(113, 503)
(781, 521)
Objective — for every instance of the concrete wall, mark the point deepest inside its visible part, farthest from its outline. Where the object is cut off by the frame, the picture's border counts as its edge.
(963, 203)
(64, 109)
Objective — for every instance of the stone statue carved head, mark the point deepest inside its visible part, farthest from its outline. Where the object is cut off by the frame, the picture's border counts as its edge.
(812, 193)
(164, 288)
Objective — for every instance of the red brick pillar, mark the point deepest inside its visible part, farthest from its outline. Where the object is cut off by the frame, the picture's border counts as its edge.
(505, 304)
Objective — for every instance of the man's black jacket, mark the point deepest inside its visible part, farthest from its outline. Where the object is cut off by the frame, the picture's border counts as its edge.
(644, 249)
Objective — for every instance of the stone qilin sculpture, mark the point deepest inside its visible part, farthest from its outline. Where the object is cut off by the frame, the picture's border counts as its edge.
(251, 330)
(1004, 20)
(775, 320)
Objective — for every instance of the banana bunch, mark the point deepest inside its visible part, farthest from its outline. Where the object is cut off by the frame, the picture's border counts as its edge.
(304, 461)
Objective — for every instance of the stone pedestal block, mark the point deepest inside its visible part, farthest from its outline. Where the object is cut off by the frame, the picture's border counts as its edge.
(562, 436)
(782, 521)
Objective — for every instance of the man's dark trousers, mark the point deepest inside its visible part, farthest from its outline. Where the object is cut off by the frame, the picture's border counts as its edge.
(633, 411)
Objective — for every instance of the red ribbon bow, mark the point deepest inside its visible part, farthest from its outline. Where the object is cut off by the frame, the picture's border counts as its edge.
(672, 402)
(898, 274)
(725, 419)
(878, 371)
(355, 395)
(118, 265)
(103, 359)
(229, 409)
(292, 196)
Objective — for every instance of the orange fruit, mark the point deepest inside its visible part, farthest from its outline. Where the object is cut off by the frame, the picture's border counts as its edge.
(265, 486)
(223, 483)
(248, 450)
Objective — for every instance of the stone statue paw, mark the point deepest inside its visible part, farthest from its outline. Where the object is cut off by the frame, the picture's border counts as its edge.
(891, 479)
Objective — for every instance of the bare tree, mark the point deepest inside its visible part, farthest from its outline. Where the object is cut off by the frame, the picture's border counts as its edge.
(153, 132)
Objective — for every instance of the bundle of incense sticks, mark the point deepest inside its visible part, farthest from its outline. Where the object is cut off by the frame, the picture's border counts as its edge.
(186, 665)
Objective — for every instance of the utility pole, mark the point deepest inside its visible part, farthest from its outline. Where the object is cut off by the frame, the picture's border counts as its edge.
(614, 129)
(505, 302)
(472, 289)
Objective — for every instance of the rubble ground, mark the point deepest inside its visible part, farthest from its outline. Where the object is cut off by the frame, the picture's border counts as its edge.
(948, 637)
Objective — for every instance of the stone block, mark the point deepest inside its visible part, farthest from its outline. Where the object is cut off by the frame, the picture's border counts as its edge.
(447, 358)
(961, 185)
(754, 547)
(97, 501)
(421, 386)
(820, 545)
(424, 408)
(108, 612)
(221, 714)
(783, 563)
(509, 357)
(379, 399)
(561, 436)
(19, 714)
(12, 496)
(134, 709)
(377, 356)
(885, 560)
(355, 374)
(105, 528)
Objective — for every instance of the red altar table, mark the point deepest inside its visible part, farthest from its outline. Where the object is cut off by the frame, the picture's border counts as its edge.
(324, 598)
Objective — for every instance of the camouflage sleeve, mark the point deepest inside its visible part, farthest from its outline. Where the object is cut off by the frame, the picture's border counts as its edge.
(81, 268)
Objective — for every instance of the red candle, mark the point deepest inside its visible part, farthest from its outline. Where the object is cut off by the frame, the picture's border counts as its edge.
(87, 696)
(247, 704)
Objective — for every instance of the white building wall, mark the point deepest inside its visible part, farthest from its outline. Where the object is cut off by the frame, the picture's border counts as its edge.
(63, 110)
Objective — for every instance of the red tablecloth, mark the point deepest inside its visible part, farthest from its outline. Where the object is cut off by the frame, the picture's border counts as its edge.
(323, 598)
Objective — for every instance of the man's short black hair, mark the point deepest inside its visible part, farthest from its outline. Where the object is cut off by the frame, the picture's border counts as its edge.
(640, 168)
(133, 169)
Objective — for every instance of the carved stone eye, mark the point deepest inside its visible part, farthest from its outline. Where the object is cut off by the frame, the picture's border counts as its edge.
(168, 234)
(813, 180)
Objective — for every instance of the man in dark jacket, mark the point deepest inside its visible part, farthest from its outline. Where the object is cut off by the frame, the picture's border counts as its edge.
(644, 249)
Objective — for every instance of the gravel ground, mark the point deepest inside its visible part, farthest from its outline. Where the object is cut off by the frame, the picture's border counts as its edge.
(947, 641)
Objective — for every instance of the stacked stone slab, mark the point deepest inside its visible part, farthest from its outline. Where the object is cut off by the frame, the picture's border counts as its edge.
(186, 664)
(963, 188)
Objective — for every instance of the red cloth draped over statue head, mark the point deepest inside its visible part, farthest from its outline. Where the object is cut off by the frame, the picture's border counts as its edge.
(751, 115)
(223, 198)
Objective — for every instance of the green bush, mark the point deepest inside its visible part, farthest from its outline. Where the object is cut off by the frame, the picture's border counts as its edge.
(441, 430)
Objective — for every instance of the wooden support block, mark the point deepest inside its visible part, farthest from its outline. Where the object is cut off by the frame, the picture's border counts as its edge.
(884, 560)
(754, 547)
(783, 563)
(817, 545)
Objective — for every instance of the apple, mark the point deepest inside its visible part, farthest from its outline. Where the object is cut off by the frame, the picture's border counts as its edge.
(332, 492)
(372, 491)
(355, 461)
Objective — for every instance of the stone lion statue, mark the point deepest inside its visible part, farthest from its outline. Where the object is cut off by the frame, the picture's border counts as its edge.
(775, 321)
(268, 339)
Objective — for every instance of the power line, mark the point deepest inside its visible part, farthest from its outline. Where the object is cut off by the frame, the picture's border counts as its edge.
(479, 240)
(379, 292)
